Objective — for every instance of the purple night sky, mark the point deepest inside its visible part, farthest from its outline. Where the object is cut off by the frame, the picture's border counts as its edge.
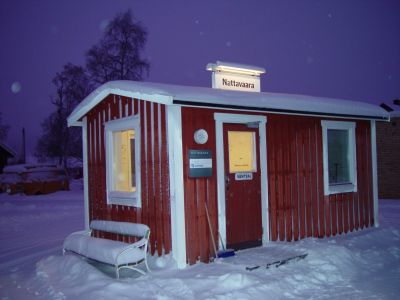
(342, 49)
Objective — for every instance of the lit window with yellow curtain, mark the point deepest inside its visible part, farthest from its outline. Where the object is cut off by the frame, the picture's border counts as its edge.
(122, 139)
(242, 152)
(124, 161)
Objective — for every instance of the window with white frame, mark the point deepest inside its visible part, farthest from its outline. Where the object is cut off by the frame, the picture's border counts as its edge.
(339, 157)
(122, 137)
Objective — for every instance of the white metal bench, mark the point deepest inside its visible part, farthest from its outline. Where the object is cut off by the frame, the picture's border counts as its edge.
(119, 254)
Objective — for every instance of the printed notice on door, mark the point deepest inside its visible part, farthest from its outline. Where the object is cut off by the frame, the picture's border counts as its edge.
(242, 152)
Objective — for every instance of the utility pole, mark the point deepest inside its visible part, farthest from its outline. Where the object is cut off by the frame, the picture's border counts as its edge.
(22, 159)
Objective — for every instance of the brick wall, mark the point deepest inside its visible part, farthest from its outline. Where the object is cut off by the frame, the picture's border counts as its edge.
(388, 152)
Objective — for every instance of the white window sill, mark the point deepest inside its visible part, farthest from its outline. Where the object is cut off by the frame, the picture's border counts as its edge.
(341, 188)
(124, 198)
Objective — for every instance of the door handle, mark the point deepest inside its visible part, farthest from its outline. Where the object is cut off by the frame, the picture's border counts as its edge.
(227, 180)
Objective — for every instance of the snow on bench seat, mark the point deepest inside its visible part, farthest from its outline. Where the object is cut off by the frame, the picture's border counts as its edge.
(119, 254)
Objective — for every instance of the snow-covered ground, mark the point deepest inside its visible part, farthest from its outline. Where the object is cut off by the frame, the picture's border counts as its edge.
(360, 265)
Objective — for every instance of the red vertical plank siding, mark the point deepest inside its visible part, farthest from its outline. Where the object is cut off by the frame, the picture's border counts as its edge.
(287, 175)
(346, 215)
(355, 199)
(313, 179)
(201, 195)
(90, 169)
(294, 181)
(117, 211)
(137, 112)
(296, 202)
(364, 198)
(368, 175)
(96, 203)
(143, 158)
(165, 184)
(328, 216)
(132, 210)
(351, 211)
(360, 171)
(198, 191)
(369, 178)
(113, 116)
(320, 180)
(108, 118)
(94, 169)
(212, 209)
(302, 202)
(333, 202)
(272, 180)
(115, 107)
(280, 195)
(157, 181)
(98, 163)
(102, 163)
(346, 212)
(150, 172)
(124, 107)
(211, 196)
(364, 176)
(130, 107)
(192, 248)
(303, 195)
(340, 200)
(307, 179)
(368, 183)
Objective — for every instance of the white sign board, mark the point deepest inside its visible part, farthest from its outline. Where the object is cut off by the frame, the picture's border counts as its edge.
(235, 82)
(200, 163)
(244, 176)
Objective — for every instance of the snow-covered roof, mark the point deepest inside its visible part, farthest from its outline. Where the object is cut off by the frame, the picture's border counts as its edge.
(207, 97)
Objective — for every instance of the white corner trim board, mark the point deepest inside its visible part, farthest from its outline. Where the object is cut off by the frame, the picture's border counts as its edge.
(174, 128)
(220, 119)
(374, 173)
(85, 172)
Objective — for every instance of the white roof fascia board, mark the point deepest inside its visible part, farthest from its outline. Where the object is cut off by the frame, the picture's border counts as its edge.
(294, 103)
(102, 92)
(77, 124)
(316, 114)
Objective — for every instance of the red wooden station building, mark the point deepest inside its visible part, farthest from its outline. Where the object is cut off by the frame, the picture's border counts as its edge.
(268, 166)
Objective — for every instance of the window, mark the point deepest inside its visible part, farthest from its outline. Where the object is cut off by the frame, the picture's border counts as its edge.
(242, 151)
(339, 157)
(122, 139)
